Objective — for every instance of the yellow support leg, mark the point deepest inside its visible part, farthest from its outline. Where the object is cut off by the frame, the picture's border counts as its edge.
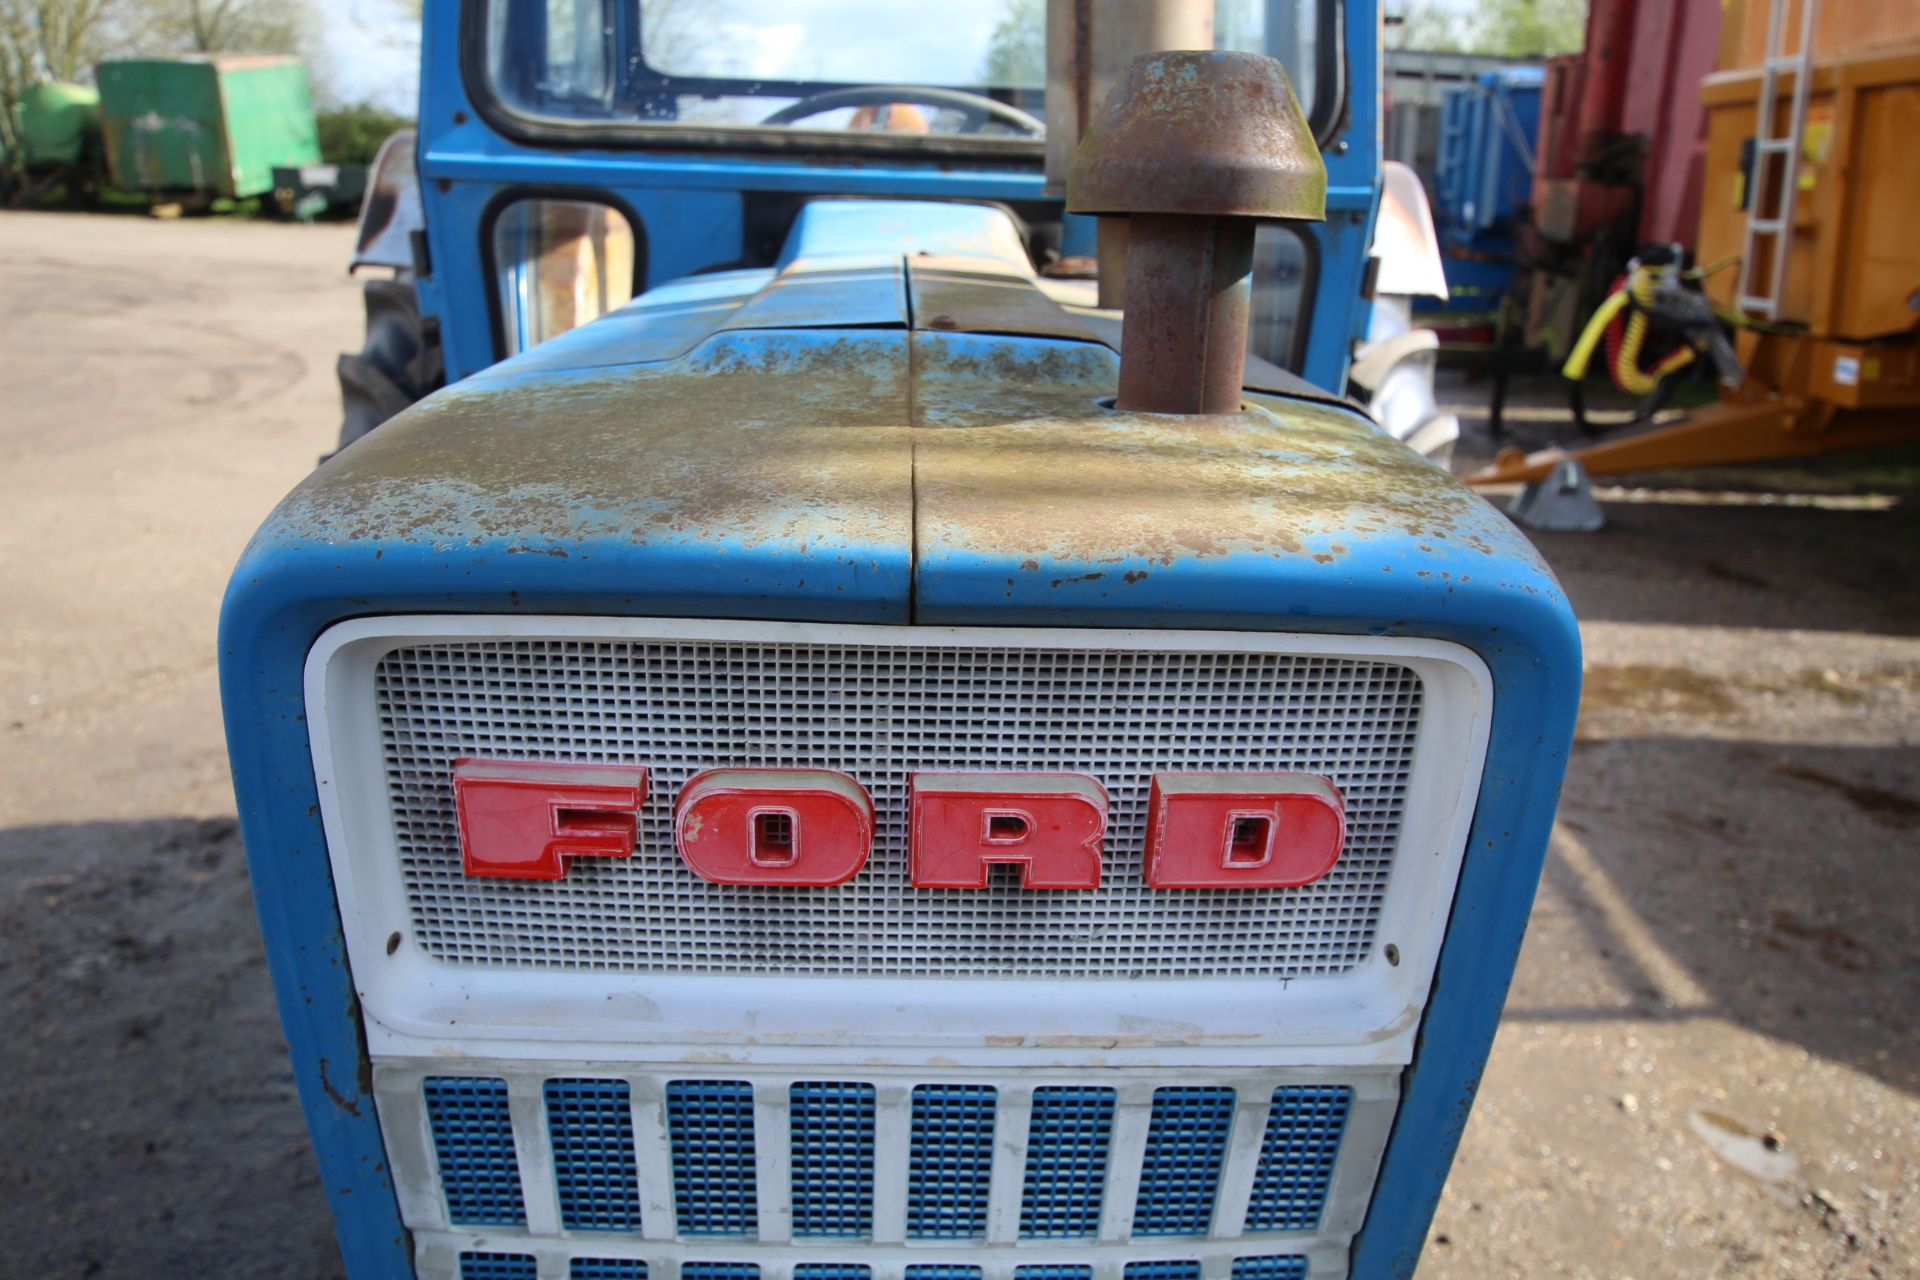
(1718, 434)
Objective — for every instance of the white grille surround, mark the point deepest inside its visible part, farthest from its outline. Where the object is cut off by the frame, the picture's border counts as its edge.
(642, 949)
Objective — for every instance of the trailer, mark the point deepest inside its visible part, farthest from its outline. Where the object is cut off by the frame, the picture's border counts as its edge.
(1804, 211)
(205, 125)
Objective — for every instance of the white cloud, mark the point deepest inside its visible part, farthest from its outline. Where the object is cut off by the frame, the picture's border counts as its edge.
(373, 54)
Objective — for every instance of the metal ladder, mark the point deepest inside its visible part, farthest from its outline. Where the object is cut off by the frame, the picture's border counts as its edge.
(1776, 225)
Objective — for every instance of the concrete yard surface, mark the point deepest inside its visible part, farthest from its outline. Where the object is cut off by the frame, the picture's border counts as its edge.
(1709, 1065)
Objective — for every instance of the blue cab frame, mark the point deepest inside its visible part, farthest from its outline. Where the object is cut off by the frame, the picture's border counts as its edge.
(688, 208)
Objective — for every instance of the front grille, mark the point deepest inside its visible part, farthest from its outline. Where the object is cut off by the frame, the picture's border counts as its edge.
(1185, 1148)
(590, 1125)
(878, 713)
(952, 1162)
(719, 1271)
(1273, 1268)
(711, 1125)
(571, 1147)
(1067, 1148)
(475, 1265)
(499, 1266)
(473, 1143)
(831, 1158)
(1296, 1158)
(1172, 1269)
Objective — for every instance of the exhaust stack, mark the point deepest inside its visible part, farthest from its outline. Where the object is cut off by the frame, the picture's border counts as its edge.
(1194, 149)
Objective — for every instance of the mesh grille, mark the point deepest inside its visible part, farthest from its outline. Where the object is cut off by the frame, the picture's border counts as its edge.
(1173, 1269)
(951, 1162)
(590, 1124)
(830, 1144)
(710, 1126)
(832, 1160)
(473, 1144)
(720, 1271)
(877, 713)
(1296, 1157)
(1180, 1173)
(1066, 1162)
(1292, 1267)
(498, 1266)
(607, 1269)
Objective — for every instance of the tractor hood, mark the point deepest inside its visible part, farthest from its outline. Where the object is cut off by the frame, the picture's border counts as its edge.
(916, 434)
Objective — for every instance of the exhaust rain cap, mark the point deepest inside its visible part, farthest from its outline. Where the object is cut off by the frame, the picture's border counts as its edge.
(1194, 148)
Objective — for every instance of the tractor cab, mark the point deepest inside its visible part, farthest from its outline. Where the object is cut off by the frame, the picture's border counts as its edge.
(574, 154)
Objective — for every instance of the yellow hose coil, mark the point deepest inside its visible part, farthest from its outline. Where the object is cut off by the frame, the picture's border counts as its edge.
(1627, 373)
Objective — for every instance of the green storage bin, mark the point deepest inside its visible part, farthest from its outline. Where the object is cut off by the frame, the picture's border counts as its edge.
(58, 124)
(214, 123)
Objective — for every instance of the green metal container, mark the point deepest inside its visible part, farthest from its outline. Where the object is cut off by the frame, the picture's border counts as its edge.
(59, 124)
(210, 123)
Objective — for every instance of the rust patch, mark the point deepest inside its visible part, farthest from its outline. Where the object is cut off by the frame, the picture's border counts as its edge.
(349, 1105)
(807, 440)
(1195, 132)
(754, 439)
(1042, 472)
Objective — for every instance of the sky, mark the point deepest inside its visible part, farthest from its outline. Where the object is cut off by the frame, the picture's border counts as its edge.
(371, 53)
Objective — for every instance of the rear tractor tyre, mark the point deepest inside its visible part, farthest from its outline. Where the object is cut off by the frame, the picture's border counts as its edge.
(402, 361)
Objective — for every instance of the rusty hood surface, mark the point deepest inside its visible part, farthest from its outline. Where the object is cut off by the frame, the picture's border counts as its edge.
(894, 438)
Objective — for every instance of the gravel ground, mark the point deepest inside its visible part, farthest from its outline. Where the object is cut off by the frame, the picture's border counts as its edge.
(1709, 1065)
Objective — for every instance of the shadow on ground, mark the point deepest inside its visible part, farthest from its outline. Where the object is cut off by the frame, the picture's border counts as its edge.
(1777, 878)
(152, 1124)
(1722, 546)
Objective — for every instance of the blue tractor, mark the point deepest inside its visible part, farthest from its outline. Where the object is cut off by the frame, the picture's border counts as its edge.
(828, 750)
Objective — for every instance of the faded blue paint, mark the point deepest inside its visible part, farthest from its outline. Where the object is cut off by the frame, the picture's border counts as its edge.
(1340, 314)
(536, 489)
(834, 228)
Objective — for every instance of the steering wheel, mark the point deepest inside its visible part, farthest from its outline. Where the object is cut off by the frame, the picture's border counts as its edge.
(975, 110)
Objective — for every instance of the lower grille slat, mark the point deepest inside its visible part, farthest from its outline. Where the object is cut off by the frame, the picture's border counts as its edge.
(1186, 1149)
(590, 1126)
(499, 1266)
(1066, 1177)
(710, 1124)
(1304, 1129)
(713, 1133)
(832, 1161)
(951, 1166)
(473, 1144)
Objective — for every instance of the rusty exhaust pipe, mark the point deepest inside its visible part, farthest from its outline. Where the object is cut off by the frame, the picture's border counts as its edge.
(1195, 149)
